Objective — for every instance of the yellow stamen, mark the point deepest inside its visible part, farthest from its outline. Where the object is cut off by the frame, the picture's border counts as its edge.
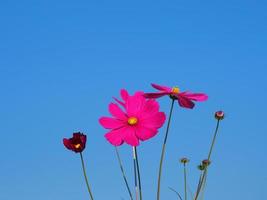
(77, 146)
(132, 121)
(175, 90)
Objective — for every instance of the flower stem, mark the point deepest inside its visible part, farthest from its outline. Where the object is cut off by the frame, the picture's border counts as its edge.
(85, 177)
(177, 193)
(185, 183)
(123, 173)
(214, 138)
(209, 155)
(163, 149)
(138, 173)
(135, 176)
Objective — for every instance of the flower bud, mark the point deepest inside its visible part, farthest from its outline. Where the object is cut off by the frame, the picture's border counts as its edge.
(201, 167)
(184, 160)
(206, 162)
(219, 115)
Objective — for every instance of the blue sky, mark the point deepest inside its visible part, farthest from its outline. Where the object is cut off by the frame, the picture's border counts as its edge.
(61, 62)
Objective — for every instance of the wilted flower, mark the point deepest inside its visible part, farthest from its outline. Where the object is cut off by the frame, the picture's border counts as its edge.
(185, 99)
(219, 115)
(139, 119)
(76, 143)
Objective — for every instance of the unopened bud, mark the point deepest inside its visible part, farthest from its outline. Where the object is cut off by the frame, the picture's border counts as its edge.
(219, 115)
(184, 160)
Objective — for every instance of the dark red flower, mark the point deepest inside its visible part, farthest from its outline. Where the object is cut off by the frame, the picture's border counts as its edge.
(76, 143)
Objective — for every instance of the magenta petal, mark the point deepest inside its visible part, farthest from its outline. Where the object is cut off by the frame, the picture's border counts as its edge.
(110, 123)
(114, 137)
(185, 102)
(129, 136)
(161, 87)
(145, 133)
(124, 94)
(150, 107)
(119, 102)
(135, 103)
(195, 96)
(155, 95)
(116, 111)
(154, 121)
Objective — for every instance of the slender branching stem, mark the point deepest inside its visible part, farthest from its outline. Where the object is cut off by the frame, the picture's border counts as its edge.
(209, 155)
(123, 173)
(177, 193)
(163, 149)
(85, 177)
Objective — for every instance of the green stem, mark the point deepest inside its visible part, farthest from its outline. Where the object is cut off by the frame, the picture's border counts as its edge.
(209, 155)
(135, 175)
(185, 183)
(214, 138)
(138, 173)
(123, 173)
(177, 193)
(163, 149)
(85, 177)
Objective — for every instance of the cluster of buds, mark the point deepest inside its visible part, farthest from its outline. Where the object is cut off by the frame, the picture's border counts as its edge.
(204, 164)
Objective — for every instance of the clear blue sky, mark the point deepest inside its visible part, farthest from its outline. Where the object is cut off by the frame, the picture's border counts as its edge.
(61, 62)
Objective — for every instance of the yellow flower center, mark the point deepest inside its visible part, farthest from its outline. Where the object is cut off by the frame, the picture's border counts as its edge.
(77, 146)
(175, 90)
(132, 121)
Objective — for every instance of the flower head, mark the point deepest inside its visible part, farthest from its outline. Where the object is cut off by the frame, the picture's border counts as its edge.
(185, 99)
(206, 162)
(76, 143)
(184, 160)
(138, 119)
(219, 115)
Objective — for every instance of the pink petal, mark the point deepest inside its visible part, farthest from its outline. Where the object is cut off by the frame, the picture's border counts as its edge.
(195, 96)
(161, 87)
(156, 94)
(114, 137)
(154, 121)
(124, 94)
(110, 123)
(185, 102)
(129, 136)
(150, 107)
(144, 133)
(135, 103)
(116, 111)
(119, 102)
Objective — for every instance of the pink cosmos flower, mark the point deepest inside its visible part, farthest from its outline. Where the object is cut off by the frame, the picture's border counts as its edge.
(138, 119)
(185, 99)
